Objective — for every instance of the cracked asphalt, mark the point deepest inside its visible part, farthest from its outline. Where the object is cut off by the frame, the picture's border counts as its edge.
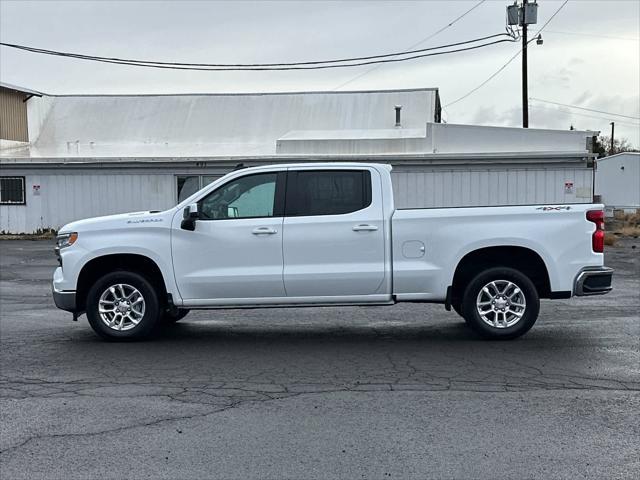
(362, 392)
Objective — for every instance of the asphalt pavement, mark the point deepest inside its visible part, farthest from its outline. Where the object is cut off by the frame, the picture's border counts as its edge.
(405, 391)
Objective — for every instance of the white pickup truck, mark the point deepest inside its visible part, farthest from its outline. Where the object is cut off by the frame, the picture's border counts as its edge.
(325, 234)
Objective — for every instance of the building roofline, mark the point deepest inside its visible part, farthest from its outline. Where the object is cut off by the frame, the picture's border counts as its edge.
(237, 94)
(411, 158)
(618, 154)
(21, 89)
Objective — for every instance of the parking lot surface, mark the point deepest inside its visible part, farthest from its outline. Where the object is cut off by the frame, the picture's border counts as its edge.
(361, 392)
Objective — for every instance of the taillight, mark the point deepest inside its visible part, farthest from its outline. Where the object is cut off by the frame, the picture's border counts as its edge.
(597, 239)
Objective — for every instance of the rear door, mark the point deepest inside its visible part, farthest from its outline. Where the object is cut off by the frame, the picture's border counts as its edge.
(333, 233)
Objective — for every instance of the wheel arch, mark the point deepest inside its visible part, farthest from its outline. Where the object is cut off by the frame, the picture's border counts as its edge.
(523, 259)
(133, 262)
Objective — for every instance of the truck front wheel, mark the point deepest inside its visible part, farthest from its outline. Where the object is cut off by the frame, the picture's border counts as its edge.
(122, 306)
(501, 303)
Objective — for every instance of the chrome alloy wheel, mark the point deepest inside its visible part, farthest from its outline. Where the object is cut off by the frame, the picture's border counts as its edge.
(121, 307)
(501, 304)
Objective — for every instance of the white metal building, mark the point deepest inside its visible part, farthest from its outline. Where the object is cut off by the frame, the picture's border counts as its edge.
(103, 154)
(618, 181)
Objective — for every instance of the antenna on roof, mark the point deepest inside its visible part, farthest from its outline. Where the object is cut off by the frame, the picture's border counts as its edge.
(239, 166)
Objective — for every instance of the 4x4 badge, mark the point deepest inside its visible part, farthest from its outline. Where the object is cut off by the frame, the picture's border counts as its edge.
(547, 209)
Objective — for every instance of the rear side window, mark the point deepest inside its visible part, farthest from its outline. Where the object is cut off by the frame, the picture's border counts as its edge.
(327, 192)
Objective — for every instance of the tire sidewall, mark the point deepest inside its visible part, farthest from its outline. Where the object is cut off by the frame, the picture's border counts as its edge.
(152, 306)
(523, 282)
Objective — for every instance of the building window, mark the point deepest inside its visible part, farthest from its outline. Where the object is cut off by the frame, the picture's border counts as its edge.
(12, 191)
(187, 185)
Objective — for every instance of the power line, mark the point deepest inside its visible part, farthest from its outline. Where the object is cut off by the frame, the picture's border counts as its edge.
(583, 108)
(242, 65)
(429, 37)
(493, 75)
(567, 112)
(250, 67)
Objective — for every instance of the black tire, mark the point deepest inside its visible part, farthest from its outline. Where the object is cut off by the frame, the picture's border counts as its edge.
(169, 318)
(457, 307)
(502, 332)
(148, 320)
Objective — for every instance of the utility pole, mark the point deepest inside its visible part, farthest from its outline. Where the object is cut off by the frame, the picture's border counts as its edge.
(525, 79)
(523, 15)
(611, 150)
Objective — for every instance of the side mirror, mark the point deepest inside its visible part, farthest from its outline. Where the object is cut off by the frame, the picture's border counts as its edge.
(189, 216)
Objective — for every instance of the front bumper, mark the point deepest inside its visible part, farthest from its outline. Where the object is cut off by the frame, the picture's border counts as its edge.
(593, 281)
(65, 300)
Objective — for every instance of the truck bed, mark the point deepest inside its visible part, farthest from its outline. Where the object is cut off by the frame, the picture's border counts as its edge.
(428, 243)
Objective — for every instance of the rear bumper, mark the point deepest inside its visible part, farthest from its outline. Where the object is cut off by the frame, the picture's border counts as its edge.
(593, 281)
(65, 300)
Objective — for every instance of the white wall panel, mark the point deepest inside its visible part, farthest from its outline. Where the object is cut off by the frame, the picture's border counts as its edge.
(438, 187)
(64, 198)
(618, 180)
(74, 195)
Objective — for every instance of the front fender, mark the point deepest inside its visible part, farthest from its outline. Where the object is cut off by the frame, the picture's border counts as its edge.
(151, 242)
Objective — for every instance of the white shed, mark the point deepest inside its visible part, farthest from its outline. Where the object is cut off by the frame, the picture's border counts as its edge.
(618, 180)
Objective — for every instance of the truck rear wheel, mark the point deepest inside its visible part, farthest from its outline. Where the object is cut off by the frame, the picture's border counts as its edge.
(123, 306)
(501, 303)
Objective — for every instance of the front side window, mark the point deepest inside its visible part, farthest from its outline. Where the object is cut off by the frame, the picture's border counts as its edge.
(12, 191)
(251, 196)
(328, 192)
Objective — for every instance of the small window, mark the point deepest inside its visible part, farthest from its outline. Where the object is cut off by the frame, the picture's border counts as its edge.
(328, 192)
(187, 186)
(207, 179)
(251, 196)
(12, 191)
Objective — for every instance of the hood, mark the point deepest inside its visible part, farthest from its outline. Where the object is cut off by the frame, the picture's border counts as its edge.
(121, 220)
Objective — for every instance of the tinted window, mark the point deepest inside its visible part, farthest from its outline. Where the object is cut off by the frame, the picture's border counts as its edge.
(245, 197)
(329, 192)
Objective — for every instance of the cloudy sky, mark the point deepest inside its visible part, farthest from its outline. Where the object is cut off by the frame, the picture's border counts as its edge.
(590, 56)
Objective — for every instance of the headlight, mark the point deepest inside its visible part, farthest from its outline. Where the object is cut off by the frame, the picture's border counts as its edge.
(66, 239)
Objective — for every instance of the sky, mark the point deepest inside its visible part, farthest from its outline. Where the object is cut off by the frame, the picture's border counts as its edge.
(590, 56)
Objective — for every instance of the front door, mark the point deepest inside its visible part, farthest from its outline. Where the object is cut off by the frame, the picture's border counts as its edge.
(333, 233)
(235, 250)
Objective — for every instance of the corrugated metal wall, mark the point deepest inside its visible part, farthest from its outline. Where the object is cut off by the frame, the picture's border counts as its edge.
(491, 186)
(13, 116)
(63, 198)
(73, 195)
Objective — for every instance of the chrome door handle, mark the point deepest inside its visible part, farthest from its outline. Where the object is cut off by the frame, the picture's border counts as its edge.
(264, 231)
(363, 227)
